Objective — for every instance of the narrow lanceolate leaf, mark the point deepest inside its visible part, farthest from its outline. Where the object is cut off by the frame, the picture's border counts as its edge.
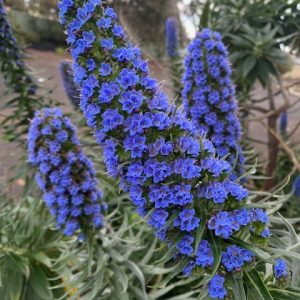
(279, 294)
(256, 287)
(216, 247)
(138, 273)
(200, 230)
(249, 64)
(120, 278)
(180, 266)
(205, 15)
(237, 286)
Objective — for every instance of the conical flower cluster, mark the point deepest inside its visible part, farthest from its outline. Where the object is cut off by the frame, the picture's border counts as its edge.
(172, 173)
(209, 96)
(64, 174)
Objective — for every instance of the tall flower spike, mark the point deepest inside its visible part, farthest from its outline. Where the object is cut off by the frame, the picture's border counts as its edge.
(209, 96)
(11, 58)
(171, 172)
(171, 37)
(18, 80)
(64, 174)
(69, 85)
(283, 123)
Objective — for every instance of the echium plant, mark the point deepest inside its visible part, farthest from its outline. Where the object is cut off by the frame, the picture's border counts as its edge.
(283, 123)
(64, 174)
(209, 96)
(172, 37)
(172, 50)
(171, 172)
(18, 79)
(69, 85)
(12, 57)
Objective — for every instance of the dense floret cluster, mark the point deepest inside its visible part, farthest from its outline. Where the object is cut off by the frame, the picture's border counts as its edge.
(209, 96)
(235, 257)
(280, 269)
(64, 174)
(171, 172)
(12, 65)
(69, 85)
(216, 287)
(171, 37)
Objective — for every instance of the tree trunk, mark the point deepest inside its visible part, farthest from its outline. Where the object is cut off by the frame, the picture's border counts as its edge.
(273, 148)
(144, 21)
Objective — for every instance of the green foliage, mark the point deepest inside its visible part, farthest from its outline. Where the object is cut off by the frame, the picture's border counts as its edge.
(176, 69)
(285, 168)
(29, 249)
(257, 55)
(37, 262)
(256, 33)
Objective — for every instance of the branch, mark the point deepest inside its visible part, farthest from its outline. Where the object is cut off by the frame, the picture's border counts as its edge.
(278, 92)
(276, 112)
(256, 141)
(294, 130)
(289, 151)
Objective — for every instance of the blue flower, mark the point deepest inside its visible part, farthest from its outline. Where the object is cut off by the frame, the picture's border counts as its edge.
(187, 168)
(158, 218)
(187, 220)
(235, 257)
(108, 91)
(159, 171)
(215, 191)
(109, 12)
(128, 78)
(73, 197)
(204, 255)
(188, 269)
(131, 100)
(111, 119)
(184, 246)
(266, 232)
(280, 269)
(223, 224)
(104, 23)
(118, 31)
(89, 37)
(138, 123)
(107, 44)
(259, 215)
(136, 144)
(216, 287)
(105, 69)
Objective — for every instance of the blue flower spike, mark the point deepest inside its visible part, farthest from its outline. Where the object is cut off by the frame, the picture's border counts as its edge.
(171, 37)
(64, 173)
(171, 171)
(209, 96)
